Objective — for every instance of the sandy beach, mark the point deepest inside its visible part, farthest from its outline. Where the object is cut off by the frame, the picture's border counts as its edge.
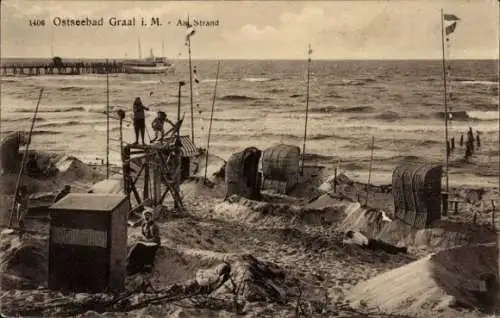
(285, 250)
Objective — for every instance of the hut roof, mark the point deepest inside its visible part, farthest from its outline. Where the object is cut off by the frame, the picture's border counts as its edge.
(287, 150)
(188, 149)
(238, 157)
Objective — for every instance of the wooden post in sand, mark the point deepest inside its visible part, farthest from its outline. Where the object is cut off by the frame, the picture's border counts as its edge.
(335, 181)
(107, 119)
(445, 32)
(493, 215)
(211, 119)
(309, 52)
(190, 32)
(370, 172)
(445, 194)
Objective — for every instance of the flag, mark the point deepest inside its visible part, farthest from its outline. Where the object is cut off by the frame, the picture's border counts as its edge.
(310, 50)
(451, 17)
(450, 27)
(195, 76)
(189, 33)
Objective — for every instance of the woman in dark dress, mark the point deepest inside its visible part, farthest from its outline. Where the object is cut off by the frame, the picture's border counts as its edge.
(142, 255)
(139, 119)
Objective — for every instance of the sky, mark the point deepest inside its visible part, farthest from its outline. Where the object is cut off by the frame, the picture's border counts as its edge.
(253, 29)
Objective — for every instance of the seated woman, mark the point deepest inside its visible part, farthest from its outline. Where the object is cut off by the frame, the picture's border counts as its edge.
(355, 237)
(142, 255)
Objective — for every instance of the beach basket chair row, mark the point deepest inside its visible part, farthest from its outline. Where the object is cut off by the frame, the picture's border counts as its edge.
(280, 171)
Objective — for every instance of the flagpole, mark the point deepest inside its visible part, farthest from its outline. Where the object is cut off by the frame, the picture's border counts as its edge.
(307, 111)
(211, 118)
(139, 48)
(107, 118)
(191, 85)
(445, 104)
(23, 161)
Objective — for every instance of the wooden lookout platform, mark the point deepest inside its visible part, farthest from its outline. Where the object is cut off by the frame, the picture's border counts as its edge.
(150, 172)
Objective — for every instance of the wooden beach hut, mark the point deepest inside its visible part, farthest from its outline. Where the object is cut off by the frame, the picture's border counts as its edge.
(416, 190)
(281, 168)
(242, 174)
(188, 153)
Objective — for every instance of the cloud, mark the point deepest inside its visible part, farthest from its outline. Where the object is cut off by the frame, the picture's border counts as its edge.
(254, 33)
(309, 24)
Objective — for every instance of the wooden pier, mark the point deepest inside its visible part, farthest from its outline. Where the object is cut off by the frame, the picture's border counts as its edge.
(73, 68)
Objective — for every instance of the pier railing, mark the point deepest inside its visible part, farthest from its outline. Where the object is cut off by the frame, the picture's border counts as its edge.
(73, 68)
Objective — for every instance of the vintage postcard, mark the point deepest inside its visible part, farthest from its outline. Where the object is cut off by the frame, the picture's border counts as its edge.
(254, 158)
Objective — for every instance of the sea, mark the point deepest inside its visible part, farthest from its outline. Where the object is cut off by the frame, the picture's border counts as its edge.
(400, 104)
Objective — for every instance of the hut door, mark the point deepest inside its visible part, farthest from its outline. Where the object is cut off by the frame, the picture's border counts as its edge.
(250, 171)
(185, 167)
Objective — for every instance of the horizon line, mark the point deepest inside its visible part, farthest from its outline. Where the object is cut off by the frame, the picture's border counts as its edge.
(268, 59)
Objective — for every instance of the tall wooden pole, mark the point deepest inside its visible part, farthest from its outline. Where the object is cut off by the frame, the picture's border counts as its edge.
(307, 112)
(107, 118)
(211, 118)
(191, 84)
(446, 169)
(23, 161)
(445, 103)
(370, 171)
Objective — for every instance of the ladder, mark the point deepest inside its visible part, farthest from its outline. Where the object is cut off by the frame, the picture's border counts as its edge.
(170, 181)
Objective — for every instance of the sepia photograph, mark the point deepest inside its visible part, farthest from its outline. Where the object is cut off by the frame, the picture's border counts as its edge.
(249, 158)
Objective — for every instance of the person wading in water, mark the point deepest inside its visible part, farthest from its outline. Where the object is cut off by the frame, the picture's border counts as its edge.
(139, 119)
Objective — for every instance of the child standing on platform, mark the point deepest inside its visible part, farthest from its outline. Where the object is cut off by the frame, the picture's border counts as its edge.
(158, 124)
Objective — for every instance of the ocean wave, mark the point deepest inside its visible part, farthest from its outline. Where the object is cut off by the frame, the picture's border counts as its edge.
(352, 82)
(163, 104)
(428, 142)
(45, 132)
(52, 110)
(315, 156)
(60, 124)
(477, 115)
(476, 82)
(212, 80)
(62, 109)
(406, 158)
(276, 90)
(389, 116)
(257, 79)
(296, 95)
(71, 88)
(333, 95)
(355, 109)
(234, 119)
(486, 107)
(430, 79)
(327, 136)
(23, 119)
(237, 97)
(334, 109)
